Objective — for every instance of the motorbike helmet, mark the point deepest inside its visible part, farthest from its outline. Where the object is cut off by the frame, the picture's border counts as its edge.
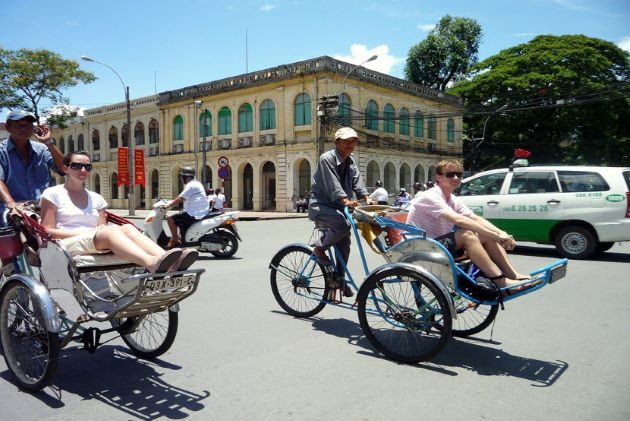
(403, 190)
(379, 183)
(417, 186)
(187, 171)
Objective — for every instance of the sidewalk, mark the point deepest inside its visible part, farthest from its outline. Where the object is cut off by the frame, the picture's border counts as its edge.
(243, 215)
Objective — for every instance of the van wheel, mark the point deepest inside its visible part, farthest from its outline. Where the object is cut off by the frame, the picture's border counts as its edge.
(575, 243)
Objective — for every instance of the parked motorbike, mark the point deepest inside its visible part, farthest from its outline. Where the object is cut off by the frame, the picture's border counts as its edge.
(216, 233)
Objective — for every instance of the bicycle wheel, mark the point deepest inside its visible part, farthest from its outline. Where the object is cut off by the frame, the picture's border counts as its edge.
(404, 315)
(472, 319)
(30, 351)
(298, 282)
(152, 335)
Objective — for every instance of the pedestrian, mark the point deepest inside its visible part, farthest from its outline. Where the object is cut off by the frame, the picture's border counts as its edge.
(219, 202)
(380, 195)
(211, 195)
(335, 180)
(301, 205)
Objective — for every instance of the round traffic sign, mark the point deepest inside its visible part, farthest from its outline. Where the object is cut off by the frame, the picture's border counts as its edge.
(224, 172)
(223, 162)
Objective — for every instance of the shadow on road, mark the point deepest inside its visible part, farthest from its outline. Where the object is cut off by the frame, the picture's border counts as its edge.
(471, 354)
(120, 380)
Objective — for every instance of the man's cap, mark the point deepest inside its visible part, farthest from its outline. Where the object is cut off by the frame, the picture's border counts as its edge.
(19, 115)
(346, 133)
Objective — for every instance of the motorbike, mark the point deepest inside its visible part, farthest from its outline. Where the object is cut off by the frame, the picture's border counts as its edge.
(216, 233)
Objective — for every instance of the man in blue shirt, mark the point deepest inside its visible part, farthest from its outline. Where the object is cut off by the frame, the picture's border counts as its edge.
(336, 178)
(25, 164)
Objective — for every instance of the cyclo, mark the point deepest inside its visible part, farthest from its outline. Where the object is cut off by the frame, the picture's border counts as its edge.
(410, 306)
(140, 307)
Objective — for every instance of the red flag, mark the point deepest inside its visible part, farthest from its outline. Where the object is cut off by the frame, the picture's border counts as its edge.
(521, 153)
(139, 167)
(123, 166)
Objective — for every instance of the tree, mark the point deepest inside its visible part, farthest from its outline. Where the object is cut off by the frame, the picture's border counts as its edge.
(446, 55)
(567, 101)
(29, 76)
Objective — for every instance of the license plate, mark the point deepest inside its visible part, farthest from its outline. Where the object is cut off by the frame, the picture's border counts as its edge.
(558, 273)
(171, 283)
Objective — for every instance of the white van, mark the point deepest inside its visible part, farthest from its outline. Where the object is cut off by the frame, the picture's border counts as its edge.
(582, 210)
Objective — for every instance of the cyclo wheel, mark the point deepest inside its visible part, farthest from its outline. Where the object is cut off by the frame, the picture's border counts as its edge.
(404, 315)
(297, 281)
(151, 335)
(30, 351)
(472, 319)
(230, 245)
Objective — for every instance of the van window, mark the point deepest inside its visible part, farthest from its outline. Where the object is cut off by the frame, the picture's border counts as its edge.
(486, 184)
(533, 182)
(582, 181)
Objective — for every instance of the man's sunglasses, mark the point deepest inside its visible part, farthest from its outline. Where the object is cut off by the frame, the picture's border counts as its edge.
(452, 174)
(78, 165)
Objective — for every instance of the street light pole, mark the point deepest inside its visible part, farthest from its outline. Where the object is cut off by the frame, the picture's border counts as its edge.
(130, 157)
(374, 57)
(204, 176)
(483, 136)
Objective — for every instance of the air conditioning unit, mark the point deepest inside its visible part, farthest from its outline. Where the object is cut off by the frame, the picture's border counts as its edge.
(154, 150)
(96, 157)
(244, 142)
(267, 139)
(225, 143)
(206, 146)
(179, 148)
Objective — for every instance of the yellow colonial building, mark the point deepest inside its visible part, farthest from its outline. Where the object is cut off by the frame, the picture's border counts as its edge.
(260, 134)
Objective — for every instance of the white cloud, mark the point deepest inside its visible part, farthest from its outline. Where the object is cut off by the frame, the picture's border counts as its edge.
(624, 44)
(359, 53)
(523, 34)
(268, 7)
(426, 27)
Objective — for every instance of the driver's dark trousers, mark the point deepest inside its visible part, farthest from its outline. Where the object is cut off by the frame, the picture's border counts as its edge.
(337, 233)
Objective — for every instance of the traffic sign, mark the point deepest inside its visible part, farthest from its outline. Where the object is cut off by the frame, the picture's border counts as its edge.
(223, 162)
(224, 172)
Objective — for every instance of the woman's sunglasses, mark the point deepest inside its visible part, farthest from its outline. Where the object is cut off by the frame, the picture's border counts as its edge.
(78, 165)
(452, 174)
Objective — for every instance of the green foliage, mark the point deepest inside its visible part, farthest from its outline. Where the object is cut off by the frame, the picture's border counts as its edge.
(567, 101)
(446, 55)
(29, 76)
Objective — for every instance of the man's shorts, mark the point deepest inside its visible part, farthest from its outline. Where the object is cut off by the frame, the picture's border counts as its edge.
(448, 241)
(82, 243)
(183, 219)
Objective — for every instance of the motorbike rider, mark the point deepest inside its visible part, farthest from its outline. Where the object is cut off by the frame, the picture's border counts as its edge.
(380, 195)
(195, 204)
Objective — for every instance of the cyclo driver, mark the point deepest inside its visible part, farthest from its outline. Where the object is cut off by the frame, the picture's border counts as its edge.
(195, 205)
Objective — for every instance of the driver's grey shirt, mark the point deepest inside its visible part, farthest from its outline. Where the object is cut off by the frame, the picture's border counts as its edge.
(334, 179)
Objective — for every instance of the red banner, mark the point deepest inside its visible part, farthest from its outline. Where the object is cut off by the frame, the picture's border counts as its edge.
(123, 166)
(139, 167)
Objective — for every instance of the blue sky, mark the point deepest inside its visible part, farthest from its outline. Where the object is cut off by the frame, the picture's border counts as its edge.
(158, 45)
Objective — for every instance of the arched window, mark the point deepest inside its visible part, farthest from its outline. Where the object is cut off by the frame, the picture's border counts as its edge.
(432, 130)
(113, 137)
(343, 112)
(371, 115)
(267, 115)
(450, 130)
(113, 185)
(155, 185)
(178, 128)
(70, 144)
(97, 184)
(80, 143)
(124, 135)
(388, 118)
(302, 111)
(205, 124)
(138, 133)
(418, 124)
(225, 121)
(245, 118)
(96, 140)
(403, 122)
(154, 131)
(62, 145)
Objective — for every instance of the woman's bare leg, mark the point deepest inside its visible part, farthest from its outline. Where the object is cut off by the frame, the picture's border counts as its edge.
(111, 237)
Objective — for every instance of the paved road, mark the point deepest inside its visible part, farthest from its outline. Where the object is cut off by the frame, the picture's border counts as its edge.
(559, 354)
